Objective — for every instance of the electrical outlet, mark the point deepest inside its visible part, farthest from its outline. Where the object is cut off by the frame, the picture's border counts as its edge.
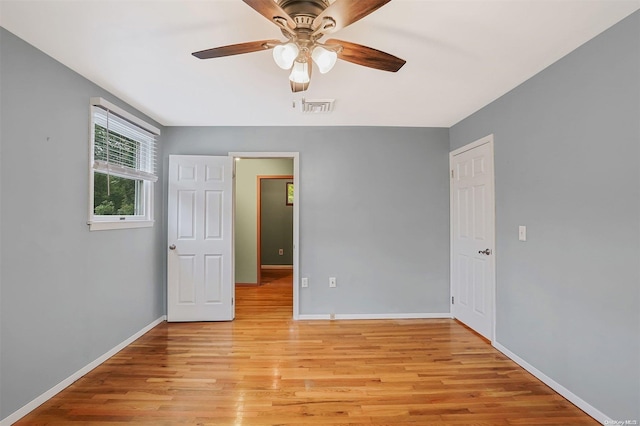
(280, 252)
(332, 281)
(305, 282)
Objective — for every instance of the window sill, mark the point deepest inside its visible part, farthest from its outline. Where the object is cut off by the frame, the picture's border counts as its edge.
(104, 226)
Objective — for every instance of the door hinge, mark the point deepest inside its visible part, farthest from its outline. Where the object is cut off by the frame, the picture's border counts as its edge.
(452, 300)
(232, 301)
(451, 173)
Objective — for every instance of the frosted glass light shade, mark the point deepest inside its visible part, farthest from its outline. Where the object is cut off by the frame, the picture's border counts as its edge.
(324, 59)
(300, 72)
(285, 54)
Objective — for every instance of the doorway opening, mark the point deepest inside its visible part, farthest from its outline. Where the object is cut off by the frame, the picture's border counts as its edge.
(275, 228)
(250, 169)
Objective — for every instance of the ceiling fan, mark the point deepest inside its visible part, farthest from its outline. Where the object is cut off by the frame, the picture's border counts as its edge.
(304, 23)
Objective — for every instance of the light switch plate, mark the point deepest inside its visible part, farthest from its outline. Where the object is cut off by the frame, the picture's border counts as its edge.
(522, 233)
(305, 282)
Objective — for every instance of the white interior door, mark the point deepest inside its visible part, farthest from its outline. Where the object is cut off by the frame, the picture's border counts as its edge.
(473, 236)
(199, 260)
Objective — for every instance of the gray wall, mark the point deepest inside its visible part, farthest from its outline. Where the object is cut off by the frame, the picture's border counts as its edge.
(277, 223)
(567, 149)
(374, 211)
(68, 295)
(246, 228)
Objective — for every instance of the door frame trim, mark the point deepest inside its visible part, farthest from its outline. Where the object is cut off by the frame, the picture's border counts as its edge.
(259, 180)
(296, 213)
(482, 141)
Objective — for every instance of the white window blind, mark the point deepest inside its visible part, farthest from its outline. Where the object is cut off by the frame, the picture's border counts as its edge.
(122, 148)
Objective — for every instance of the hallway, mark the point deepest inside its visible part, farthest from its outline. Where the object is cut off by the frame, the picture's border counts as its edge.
(273, 299)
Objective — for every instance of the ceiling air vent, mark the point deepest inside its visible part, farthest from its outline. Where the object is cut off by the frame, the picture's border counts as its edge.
(317, 106)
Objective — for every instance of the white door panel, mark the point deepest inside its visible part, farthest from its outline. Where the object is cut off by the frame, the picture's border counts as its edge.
(199, 265)
(472, 236)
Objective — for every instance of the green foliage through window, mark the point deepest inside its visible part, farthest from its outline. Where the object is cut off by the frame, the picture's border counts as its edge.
(289, 193)
(119, 198)
(123, 168)
(120, 195)
(121, 150)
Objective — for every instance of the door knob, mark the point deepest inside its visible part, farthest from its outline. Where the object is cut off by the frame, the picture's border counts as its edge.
(172, 247)
(487, 252)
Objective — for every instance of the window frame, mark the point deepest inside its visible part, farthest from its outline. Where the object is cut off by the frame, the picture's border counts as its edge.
(107, 222)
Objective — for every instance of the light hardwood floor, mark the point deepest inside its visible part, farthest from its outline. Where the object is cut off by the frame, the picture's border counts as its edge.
(265, 369)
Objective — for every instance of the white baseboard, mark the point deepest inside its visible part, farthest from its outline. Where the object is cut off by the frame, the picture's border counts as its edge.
(570, 396)
(374, 316)
(311, 317)
(29, 407)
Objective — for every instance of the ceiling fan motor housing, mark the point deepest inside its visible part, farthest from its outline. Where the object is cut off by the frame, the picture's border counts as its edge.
(303, 12)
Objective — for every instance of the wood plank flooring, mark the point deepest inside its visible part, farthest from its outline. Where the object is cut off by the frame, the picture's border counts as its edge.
(265, 369)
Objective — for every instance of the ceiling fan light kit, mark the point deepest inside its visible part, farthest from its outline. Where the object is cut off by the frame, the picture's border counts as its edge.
(300, 73)
(303, 23)
(285, 54)
(324, 59)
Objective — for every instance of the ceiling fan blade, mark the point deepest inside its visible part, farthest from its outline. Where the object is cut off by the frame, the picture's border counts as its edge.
(236, 49)
(345, 12)
(366, 56)
(270, 10)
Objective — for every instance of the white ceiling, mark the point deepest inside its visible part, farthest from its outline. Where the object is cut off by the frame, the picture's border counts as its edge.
(461, 55)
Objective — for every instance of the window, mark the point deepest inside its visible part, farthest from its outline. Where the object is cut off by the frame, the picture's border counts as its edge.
(122, 170)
